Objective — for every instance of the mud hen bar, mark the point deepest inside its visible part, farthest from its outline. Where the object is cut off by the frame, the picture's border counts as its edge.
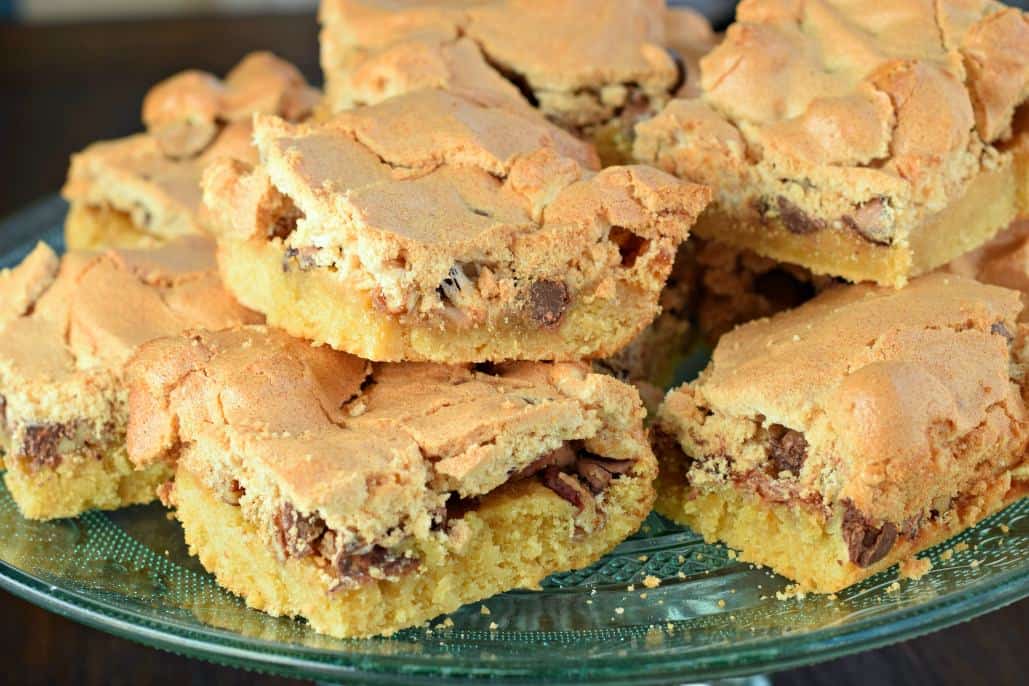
(67, 328)
(372, 498)
(437, 227)
(834, 440)
(593, 67)
(869, 143)
(143, 190)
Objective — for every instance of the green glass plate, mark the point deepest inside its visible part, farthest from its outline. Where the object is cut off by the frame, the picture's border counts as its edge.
(128, 573)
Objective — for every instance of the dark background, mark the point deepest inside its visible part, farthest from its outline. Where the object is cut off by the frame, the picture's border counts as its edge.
(64, 86)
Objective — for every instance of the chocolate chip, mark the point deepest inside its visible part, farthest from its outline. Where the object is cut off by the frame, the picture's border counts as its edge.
(567, 486)
(1000, 329)
(795, 219)
(866, 543)
(298, 533)
(42, 444)
(548, 301)
(3, 414)
(787, 449)
(630, 245)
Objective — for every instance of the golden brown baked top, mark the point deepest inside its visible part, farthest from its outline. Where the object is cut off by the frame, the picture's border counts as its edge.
(191, 118)
(899, 395)
(399, 193)
(866, 111)
(372, 450)
(577, 59)
(98, 308)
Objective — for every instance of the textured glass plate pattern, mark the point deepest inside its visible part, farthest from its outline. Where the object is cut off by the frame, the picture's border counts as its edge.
(129, 573)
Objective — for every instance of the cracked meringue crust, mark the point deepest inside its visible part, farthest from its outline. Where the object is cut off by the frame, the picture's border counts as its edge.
(367, 498)
(435, 227)
(872, 145)
(63, 406)
(834, 440)
(583, 63)
(142, 190)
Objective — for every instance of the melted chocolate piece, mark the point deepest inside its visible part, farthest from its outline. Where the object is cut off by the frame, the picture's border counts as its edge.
(787, 449)
(548, 301)
(866, 543)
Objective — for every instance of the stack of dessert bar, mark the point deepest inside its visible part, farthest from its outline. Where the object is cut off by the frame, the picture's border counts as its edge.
(382, 350)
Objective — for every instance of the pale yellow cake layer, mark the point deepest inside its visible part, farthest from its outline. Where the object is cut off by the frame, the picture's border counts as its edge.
(82, 483)
(991, 202)
(95, 228)
(315, 305)
(798, 541)
(518, 535)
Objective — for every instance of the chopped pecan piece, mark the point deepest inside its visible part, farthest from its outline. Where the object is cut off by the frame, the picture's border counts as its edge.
(598, 471)
(561, 457)
(42, 444)
(357, 565)
(869, 221)
(298, 533)
(567, 486)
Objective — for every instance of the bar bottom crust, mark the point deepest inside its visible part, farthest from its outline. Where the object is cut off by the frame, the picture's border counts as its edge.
(990, 203)
(800, 542)
(94, 228)
(315, 305)
(82, 483)
(517, 536)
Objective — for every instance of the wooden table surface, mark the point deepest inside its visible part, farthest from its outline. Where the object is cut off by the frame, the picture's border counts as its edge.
(62, 87)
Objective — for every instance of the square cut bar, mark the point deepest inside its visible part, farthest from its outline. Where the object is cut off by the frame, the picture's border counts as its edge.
(834, 440)
(436, 227)
(143, 190)
(593, 67)
(872, 143)
(370, 498)
(67, 328)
